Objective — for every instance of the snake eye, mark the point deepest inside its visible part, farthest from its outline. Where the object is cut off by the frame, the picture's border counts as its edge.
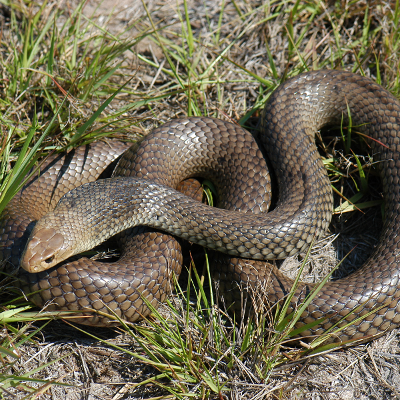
(49, 260)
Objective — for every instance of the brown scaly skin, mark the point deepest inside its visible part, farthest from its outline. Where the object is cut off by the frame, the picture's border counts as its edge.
(86, 284)
(295, 111)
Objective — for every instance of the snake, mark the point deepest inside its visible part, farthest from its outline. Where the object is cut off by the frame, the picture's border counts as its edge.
(67, 210)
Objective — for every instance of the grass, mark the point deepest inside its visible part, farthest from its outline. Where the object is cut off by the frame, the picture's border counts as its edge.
(67, 79)
(196, 347)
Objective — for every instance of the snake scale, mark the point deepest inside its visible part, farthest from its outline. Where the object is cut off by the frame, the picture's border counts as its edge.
(142, 202)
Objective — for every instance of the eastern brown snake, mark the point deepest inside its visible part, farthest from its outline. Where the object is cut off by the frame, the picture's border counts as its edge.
(224, 153)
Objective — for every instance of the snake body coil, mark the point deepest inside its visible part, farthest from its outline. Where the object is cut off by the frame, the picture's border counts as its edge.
(222, 152)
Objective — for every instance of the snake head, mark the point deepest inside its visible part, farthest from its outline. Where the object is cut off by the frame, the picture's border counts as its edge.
(46, 248)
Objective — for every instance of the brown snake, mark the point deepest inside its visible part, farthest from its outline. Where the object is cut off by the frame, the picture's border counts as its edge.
(222, 152)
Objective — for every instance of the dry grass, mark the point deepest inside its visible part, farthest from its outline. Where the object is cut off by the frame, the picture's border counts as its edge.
(224, 63)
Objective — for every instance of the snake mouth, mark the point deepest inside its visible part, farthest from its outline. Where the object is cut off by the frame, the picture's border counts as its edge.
(42, 251)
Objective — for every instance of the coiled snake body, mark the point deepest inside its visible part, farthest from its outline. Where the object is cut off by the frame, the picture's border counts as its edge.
(222, 152)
